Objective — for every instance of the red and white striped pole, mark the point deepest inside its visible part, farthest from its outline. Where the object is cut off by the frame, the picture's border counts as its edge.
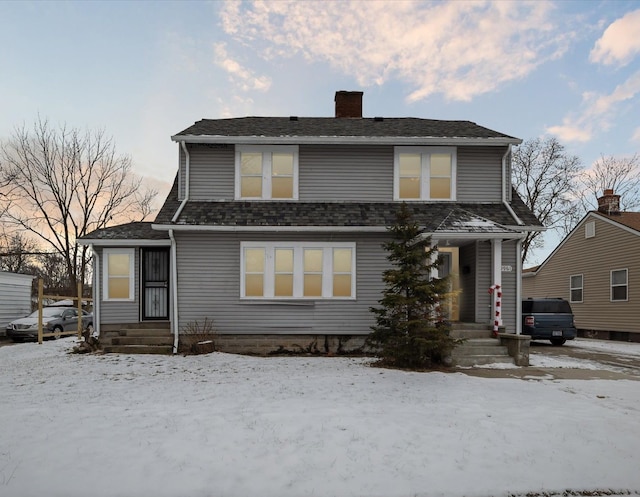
(498, 300)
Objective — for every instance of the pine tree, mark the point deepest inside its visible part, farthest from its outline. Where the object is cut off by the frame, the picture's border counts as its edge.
(409, 331)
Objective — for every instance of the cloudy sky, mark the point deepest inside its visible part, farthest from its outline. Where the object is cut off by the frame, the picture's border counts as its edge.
(144, 71)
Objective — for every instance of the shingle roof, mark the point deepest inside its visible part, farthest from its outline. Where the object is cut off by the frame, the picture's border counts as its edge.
(628, 219)
(129, 231)
(339, 127)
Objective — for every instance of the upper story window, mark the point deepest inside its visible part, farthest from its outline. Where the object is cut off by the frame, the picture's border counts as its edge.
(619, 285)
(424, 173)
(266, 172)
(298, 270)
(118, 268)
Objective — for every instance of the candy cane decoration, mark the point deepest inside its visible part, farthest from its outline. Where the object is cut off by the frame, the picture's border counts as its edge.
(496, 321)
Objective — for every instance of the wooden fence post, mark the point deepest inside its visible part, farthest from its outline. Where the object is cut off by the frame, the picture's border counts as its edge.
(40, 292)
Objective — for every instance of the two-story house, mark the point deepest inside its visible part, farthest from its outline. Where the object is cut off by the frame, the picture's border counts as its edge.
(274, 227)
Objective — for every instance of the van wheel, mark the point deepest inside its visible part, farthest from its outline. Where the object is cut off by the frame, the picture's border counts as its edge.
(558, 341)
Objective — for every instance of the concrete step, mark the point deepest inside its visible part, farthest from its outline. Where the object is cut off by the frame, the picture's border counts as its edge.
(138, 349)
(154, 340)
(480, 346)
(137, 333)
(472, 333)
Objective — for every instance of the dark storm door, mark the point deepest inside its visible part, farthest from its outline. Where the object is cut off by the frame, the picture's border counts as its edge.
(155, 284)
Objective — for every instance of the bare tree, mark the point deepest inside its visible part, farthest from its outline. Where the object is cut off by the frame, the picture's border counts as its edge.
(544, 175)
(17, 253)
(63, 183)
(622, 174)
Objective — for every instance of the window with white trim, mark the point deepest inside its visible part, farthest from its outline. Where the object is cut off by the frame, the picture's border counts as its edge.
(298, 270)
(619, 285)
(575, 288)
(424, 173)
(268, 172)
(118, 274)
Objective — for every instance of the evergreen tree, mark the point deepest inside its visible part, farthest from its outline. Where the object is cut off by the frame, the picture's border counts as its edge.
(410, 331)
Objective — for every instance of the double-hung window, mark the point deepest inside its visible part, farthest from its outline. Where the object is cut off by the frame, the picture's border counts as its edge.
(297, 270)
(576, 286)
(118, 270)
(619, 285)
(424, 173)
(266, 172)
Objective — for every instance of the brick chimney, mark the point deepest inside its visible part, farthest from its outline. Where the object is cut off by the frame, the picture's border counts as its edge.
(348, 104)
(609, 203)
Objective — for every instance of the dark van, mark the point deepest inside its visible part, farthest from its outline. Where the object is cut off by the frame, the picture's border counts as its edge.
(548, 319)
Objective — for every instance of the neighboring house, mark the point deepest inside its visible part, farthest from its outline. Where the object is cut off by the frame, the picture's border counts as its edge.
(15, 297)
(274, 225)
(597, 269)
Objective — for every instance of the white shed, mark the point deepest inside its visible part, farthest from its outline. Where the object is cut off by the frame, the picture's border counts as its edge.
(15, 297)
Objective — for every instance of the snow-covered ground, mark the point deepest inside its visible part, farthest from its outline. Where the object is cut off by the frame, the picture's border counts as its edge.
(226, 425)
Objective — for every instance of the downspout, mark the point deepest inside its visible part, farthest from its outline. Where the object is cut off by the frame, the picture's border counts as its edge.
(505, 186)
(174, 249)
(95, 291)
(187, 167)
(174, 293)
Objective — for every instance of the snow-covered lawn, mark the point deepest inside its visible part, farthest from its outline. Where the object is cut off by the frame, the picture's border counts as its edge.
(226, 425)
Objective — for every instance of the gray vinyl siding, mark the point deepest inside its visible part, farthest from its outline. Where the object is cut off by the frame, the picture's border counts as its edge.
(346, 173)
(480, 174)
(15, 298)
(612, 248)
(115, 312)
(331, 173)
(209, 287)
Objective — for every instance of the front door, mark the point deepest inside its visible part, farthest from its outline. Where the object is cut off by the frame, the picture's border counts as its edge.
(155, 284)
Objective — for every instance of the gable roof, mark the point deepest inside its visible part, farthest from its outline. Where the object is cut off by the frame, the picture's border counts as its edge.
(345, 130)
(629, 221)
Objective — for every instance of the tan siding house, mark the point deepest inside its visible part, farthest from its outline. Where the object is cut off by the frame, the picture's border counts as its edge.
(597, 269)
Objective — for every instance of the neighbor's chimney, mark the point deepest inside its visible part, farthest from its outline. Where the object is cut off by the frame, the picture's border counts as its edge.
(348, 104)
(609, 203)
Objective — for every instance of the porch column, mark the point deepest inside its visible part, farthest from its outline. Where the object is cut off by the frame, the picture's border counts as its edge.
(496, 276)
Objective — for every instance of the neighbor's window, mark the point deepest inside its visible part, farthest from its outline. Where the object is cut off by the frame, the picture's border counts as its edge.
(118, 269)
(575, 290)
(424, 173)
(619, 284)
(301, 270)
(267, 172)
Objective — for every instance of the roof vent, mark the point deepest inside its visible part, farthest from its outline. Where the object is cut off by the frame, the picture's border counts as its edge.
(378, 119)
(293, 118)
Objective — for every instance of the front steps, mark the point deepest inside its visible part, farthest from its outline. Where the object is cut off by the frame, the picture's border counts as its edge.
(479, 348)
(142, 338)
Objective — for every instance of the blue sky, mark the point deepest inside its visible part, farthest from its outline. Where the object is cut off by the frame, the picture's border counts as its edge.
(146, 70)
